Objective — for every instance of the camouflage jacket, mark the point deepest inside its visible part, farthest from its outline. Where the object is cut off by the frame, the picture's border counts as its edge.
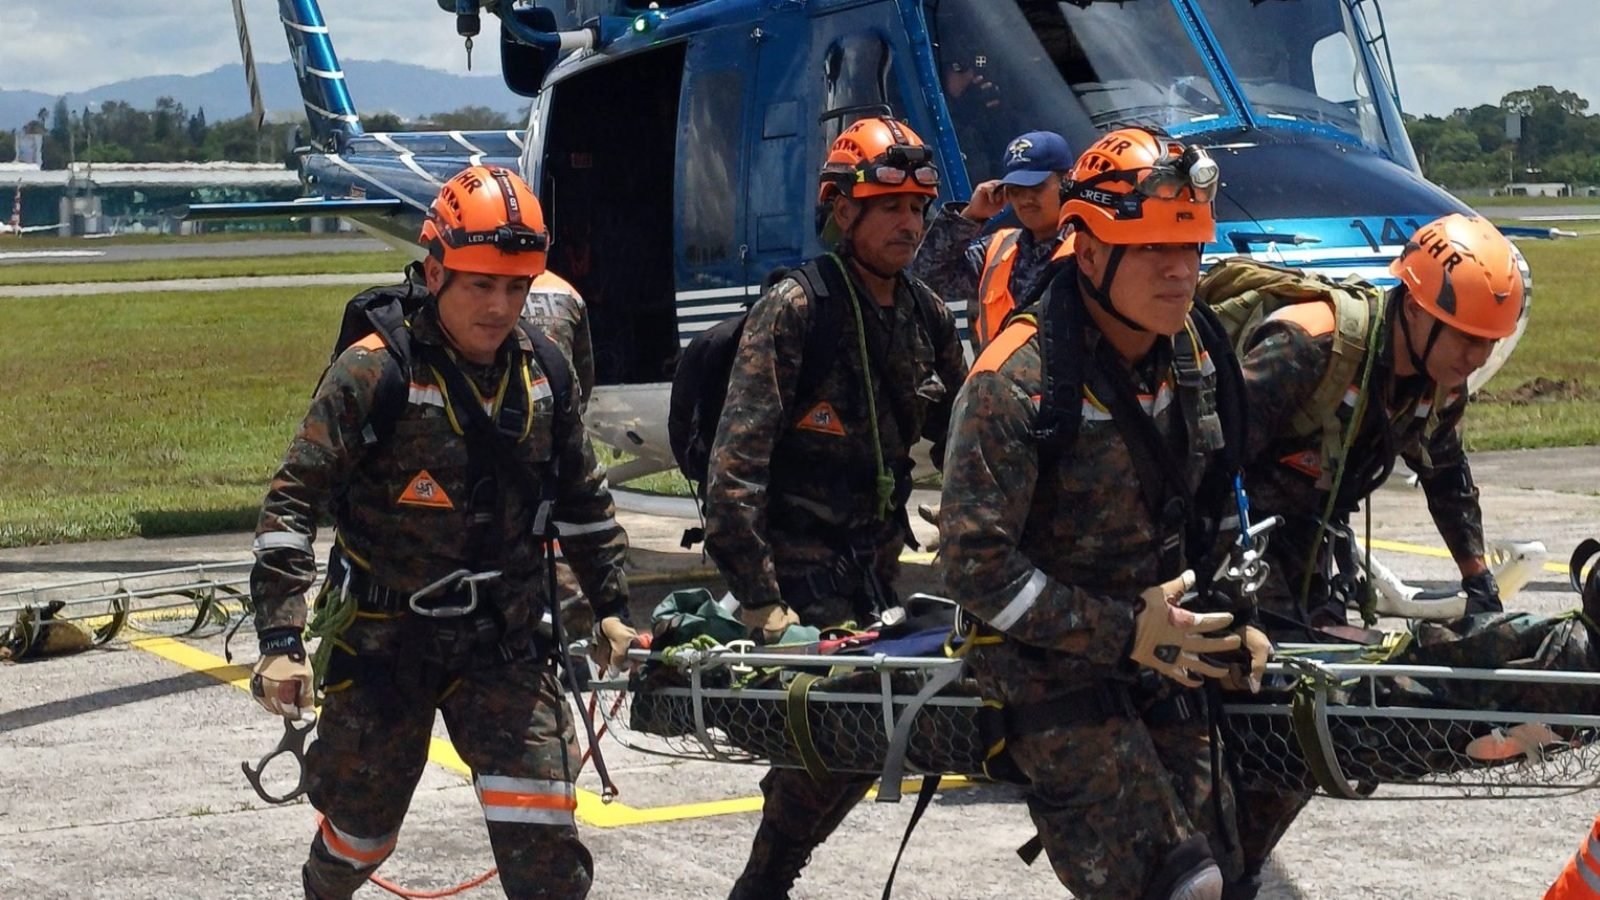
(1282, 367)
(782, 466)
(951, 258)
(403, 506)
(1052, 547)
(558, 309)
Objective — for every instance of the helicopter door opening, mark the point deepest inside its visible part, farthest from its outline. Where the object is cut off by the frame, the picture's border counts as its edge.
(607, 187)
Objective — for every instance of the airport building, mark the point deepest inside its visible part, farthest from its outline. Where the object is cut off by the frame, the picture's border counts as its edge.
(119, 198)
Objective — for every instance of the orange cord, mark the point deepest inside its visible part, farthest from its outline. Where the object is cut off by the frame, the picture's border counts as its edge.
(398, 891)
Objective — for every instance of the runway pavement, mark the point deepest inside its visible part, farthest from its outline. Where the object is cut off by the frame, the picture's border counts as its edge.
(89, 250)
(119, 768)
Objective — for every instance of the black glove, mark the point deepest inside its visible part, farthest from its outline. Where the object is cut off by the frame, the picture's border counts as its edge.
(1483, 594)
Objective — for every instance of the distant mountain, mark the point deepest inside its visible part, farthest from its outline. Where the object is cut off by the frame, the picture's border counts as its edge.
(407, 90)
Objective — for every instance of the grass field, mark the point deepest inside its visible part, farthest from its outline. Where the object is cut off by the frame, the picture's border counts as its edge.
(152, 413)
(1548, 394)
(166, 413)
(219, 267)
(1503, 200)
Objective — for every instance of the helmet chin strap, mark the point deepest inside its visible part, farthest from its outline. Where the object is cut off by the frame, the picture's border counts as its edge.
(1420, 363)
(1102, 292)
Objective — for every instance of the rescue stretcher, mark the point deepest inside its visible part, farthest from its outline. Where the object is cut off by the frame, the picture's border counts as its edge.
(174, 602)
(1342, 728)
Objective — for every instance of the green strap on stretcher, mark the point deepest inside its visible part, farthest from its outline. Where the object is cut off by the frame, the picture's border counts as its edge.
(1308, 720)
(797, 726)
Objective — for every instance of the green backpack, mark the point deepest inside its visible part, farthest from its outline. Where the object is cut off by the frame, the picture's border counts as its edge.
(1244, 292)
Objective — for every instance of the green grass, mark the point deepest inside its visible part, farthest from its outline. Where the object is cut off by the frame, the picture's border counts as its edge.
(166, 413)
(223, 267)
(150, 414)
(1515, 409)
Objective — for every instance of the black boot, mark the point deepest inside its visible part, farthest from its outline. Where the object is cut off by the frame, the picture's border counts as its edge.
(775, 863)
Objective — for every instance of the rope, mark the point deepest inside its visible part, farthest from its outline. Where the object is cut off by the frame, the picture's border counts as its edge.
(1356, 418)
(885, 480)
(335, 610)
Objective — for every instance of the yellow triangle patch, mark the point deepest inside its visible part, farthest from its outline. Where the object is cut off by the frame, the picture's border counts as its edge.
(821, 419)
(424, 491)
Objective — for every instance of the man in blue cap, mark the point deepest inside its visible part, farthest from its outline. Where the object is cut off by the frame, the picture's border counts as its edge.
(990, 274)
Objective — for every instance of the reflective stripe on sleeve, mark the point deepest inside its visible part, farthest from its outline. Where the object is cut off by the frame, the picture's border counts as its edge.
(526, 801)
(282, 540)
(357, 852)
(569, 529)
(1022, 602)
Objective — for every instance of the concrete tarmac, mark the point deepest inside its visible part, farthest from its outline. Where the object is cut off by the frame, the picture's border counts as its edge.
(119, 767)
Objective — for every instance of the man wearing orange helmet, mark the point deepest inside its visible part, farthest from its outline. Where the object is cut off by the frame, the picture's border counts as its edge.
(811, 466)
(1092, 443)
(1460, 291)
(441, 443)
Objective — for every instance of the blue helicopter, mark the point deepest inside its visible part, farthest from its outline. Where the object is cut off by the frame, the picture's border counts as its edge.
(674, 144)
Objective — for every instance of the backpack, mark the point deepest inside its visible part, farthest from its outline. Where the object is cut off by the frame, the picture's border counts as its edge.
(384, 311)
(700, 383)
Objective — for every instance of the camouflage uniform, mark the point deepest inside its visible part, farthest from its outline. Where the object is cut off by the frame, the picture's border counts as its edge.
(1051, 549)
(1282, 367)
(790, 503)
(403, 508)
(557, 308)
(951, 259)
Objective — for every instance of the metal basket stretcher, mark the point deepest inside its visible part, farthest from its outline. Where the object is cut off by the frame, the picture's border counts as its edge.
(1340, 728)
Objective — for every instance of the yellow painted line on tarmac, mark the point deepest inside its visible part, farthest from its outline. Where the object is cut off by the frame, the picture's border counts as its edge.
(592, 810)
(1441, 553)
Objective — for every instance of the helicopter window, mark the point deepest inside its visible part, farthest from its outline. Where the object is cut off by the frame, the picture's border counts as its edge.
(1115, 64)
(855, 73)
(1299, 63)
(712, 127)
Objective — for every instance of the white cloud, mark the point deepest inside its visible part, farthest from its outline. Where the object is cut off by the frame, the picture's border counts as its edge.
(1447, 53)
(101, 41)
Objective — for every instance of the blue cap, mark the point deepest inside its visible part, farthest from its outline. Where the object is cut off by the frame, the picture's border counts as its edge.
(1030, 158)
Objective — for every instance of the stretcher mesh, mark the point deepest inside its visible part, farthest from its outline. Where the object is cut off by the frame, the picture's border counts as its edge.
(1363, 730)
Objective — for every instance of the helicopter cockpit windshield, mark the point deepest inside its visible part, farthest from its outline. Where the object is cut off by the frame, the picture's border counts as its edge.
(1297, 65)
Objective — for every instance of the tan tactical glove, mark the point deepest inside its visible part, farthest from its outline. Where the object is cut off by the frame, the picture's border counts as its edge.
(281, 680)
(612, 639)
(768, 623)
(1170, 639)
(1243, 677)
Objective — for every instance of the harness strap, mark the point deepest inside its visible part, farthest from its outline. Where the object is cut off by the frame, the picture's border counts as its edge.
(930, 786)
(797, 726)
(1308, 718)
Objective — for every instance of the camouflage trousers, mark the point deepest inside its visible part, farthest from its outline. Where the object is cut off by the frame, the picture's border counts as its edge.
(798, 812)
(1112, 799)
(511, 726)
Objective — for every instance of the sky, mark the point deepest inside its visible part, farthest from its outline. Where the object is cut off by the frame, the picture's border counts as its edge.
(1447, 53)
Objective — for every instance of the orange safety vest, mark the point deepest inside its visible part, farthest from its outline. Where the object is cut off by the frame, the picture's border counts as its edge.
(1580, 880)
(994, 287)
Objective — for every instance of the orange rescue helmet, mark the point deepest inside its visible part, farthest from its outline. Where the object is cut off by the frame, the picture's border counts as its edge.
(875, 157)
(1464, 272)
(1134, 187)
(487, 220)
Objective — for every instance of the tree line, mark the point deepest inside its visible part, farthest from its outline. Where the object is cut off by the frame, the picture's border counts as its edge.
(1469, 148)
(119, 133)
(1560, 141)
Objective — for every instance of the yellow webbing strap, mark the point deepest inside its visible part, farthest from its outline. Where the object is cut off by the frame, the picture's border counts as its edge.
(797, 726)
(1305, 719)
